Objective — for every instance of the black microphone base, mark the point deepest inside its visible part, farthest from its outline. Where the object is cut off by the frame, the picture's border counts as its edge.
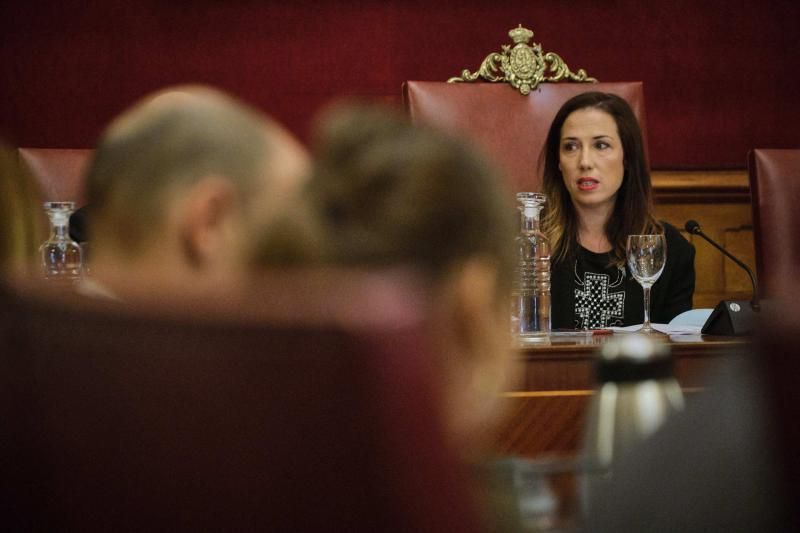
(730, 317)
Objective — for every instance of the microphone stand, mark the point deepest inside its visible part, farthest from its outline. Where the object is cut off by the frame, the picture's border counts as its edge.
(754, 303)
(729, 317)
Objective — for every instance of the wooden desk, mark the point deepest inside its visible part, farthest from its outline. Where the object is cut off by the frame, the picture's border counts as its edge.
(546, 410)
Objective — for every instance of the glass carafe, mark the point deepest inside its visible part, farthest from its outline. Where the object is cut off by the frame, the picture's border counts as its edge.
(61, 256)
(530, 307)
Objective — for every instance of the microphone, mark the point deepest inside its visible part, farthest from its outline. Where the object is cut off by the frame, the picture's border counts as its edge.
(729, 317)
(694, 228)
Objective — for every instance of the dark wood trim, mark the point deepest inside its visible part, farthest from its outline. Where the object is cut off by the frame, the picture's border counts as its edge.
(701, 186)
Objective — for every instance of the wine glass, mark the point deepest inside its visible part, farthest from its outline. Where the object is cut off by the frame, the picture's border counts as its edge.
(647, 255)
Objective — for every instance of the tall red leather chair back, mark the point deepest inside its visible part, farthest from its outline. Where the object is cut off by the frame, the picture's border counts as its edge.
(509, 118)
(775, 194)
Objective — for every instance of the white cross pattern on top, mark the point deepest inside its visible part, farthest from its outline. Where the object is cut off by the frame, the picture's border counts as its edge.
(595, 306)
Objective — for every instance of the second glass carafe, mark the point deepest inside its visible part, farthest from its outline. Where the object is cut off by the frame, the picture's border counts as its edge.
(61, 256)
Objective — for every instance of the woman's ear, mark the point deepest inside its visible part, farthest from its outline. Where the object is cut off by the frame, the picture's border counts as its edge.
(207, 222)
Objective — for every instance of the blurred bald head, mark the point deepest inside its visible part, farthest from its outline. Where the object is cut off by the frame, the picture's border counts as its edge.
(189, 173)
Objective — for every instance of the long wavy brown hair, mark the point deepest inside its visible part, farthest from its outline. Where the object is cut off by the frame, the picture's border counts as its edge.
(633, 210)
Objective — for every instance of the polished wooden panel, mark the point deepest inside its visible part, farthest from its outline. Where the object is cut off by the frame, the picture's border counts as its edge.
(545, 411)
(538, 426)
(720, 202)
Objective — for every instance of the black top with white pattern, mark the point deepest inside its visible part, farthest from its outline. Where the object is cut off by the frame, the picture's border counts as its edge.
(587, 293)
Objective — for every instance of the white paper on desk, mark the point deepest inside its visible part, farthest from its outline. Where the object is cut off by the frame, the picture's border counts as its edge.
(676, 329)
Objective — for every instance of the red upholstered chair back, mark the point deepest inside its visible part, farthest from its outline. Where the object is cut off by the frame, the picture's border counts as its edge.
(307, 407)
(59, 172)
(775, 190)
(510, 127)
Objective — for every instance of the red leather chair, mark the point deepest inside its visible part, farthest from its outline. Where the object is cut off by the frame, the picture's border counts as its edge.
(59, 172)
(307, 406)
(509, 126)
(775, 191)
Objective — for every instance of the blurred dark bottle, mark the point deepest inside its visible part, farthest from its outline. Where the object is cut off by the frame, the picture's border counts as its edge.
(636, 391)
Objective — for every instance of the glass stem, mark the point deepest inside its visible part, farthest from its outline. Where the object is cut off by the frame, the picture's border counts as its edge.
(646, 324)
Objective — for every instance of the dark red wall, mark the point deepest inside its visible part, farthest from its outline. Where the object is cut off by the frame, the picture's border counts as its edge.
(719, 76)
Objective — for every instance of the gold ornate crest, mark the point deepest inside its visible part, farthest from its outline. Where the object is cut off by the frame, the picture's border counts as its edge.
(523, 66)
